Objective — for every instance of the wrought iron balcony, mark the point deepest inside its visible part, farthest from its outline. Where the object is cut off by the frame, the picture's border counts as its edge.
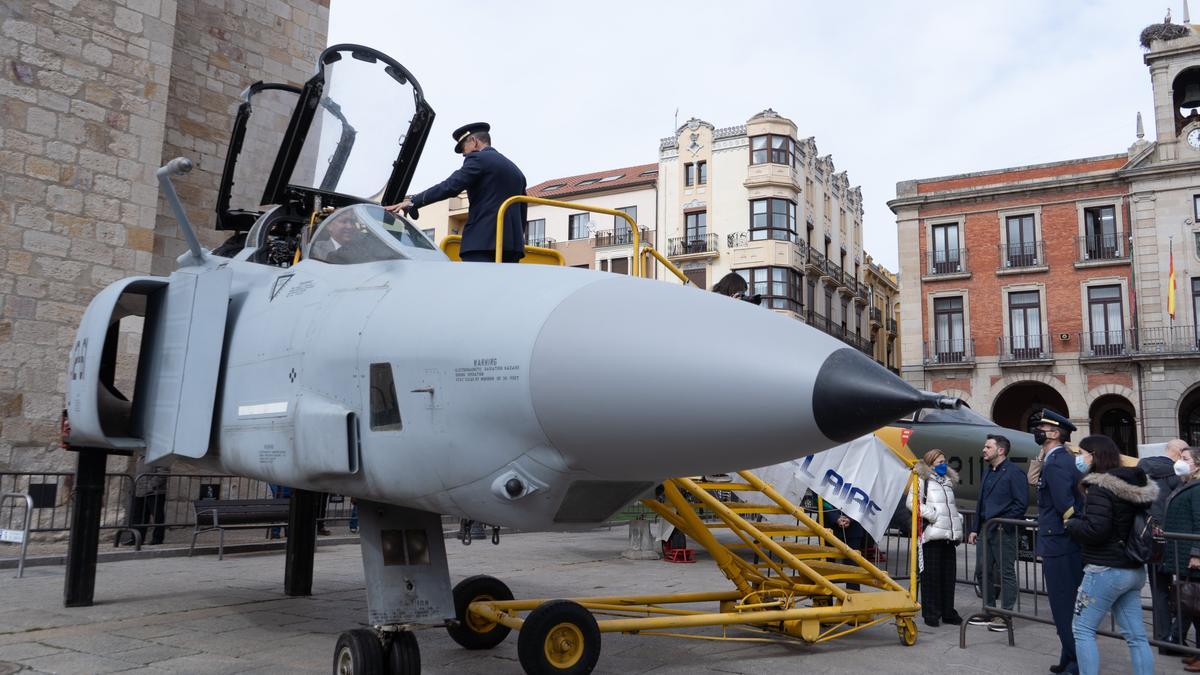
(946, 262)
(875, 314)
(691, 245)
(834, 271)
(1020, 255)
(1024, 348)
(622, 237)
(954, 352)
(891, 325)
(815, 261)
(1101, 249)
(1106, 344)
(1167, 340)
(543, 243)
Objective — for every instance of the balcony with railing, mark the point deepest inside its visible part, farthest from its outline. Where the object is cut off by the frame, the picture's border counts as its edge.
(837, 330)
(699, 245)
(946, 263)
(876, 315)
(622, 237)
(1111, 344)
(546, 242)
(816, 261)
(891, 325)
(1096, 250)
(1024, 349)
(1025, 256)
(833, 271)
(954, 353)
(1168, 341)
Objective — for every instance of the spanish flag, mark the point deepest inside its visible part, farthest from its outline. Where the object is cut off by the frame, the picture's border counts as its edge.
(1171, 288)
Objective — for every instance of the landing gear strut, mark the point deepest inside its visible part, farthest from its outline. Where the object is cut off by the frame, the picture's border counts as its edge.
(384, 652)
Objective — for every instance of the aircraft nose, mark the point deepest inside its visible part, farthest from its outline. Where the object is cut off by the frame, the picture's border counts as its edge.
(857, 396)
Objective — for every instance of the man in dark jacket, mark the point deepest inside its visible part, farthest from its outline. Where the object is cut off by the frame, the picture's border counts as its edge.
(1161, 470)
(489, 178)
(1002, 494)
(1058, 500)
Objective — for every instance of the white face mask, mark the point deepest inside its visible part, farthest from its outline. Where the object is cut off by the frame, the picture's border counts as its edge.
(1182, 468)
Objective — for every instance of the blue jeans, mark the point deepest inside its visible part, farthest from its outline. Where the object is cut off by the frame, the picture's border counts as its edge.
(1119, 590)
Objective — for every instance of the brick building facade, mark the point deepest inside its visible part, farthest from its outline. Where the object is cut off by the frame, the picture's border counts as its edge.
(1047, 285)
(94, 96)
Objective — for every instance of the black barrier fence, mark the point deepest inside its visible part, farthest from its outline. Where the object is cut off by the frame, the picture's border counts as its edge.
(122, 507)
(1166, 619)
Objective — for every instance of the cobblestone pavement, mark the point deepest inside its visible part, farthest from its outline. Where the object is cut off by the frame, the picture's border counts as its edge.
(191, 615)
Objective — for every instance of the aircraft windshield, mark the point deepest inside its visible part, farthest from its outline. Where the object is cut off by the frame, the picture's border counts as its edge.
(366, 233)
(357, 133)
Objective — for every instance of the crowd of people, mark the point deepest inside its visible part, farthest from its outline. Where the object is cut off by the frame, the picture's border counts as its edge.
(1098, 518)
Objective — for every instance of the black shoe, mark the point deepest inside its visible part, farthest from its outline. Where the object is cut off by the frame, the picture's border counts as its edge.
(1058, 668)
(932, 623)
(324, 532)
(952, 620)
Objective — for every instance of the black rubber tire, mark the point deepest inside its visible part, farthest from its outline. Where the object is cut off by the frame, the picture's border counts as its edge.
(403, 654)
(467, 591)
(358, 652)
(550, 616)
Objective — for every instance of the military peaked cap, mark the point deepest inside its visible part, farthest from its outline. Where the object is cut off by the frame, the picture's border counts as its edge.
(1050, 417)
(462, 133)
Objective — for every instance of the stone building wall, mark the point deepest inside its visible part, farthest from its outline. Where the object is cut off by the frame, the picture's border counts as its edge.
(93, 97)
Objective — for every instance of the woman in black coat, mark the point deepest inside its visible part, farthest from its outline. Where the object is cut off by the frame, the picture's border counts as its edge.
(1113, 494)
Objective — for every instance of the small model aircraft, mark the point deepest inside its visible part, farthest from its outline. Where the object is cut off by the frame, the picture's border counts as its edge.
(341, 351)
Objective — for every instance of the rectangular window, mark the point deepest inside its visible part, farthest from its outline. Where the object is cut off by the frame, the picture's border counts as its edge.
(1105, 320)
(773, 219)
(535, 231)
(946, 252)
(1100, 232)
(812, 298)
(772, 148)
(689, 174)
(696, 224)
(758, 149)
(949, 330)
(1196, 307)
(621, 230)
(619, 265)
(702, 173)
(1025, 324)
(1196, 208)
(1021, 248)
(385, 412)
(698, 277)
(828, 305)
(778, 286)
(577, 226)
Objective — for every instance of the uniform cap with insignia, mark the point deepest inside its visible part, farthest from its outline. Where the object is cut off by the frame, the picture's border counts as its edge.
(461, 134)
(1048, 416)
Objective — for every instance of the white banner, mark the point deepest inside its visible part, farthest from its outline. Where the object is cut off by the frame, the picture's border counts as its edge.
(862, 478)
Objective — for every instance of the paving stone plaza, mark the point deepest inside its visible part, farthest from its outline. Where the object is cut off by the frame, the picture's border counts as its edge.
(192, 615)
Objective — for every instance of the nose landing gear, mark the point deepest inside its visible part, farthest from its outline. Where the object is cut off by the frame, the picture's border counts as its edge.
(383, 652)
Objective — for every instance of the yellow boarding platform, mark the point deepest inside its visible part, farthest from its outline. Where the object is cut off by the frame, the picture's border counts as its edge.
(788, 582)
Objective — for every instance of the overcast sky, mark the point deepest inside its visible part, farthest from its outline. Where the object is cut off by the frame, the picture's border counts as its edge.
(893, 90)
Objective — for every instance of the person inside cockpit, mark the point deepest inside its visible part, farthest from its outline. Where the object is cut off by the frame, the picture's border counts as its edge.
(343, 240)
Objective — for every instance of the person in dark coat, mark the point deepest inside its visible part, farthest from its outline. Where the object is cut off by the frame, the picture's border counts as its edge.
(489, 178)
(1112, 581)
(1058, 500)
(1161, 470)
(1182, 558)
(1002, 494)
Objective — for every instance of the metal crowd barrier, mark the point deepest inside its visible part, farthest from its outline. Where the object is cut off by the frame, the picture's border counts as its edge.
(9, 535)
(1031, 606)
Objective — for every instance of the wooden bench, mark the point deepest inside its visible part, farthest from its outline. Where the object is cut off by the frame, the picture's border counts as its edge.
(236, 514)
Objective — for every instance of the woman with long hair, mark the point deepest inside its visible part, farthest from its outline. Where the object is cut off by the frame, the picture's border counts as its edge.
(1112, 581)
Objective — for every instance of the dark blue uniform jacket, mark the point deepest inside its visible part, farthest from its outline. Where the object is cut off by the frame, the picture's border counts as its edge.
(1057, 493)
(1003, 494)
(489, 178)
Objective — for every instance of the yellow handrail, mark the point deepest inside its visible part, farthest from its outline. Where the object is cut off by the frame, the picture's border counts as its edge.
(650, 250)
(525, 199)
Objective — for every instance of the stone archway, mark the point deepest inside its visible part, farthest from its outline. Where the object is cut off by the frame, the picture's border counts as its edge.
(1189, 417)
(1015, 406)
(1112, 415)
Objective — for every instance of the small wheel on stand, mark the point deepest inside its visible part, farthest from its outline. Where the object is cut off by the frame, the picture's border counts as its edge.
(907, 628)
(358, 652)
(403, 654)
(559, 637)
(472, 631)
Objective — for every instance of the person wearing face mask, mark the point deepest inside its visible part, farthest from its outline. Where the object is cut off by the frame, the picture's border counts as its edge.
(1182, 558)
(1161, 470)
(1112, 580)
(943, 531)
(1002, 494)
(1058, 500)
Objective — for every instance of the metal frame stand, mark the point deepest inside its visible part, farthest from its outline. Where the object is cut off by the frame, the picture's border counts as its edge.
(301, 542)
(84, 542)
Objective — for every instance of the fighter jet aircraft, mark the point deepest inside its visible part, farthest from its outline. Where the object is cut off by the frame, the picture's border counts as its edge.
(342, 352)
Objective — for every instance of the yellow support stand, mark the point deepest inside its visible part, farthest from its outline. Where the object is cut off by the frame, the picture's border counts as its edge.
(789, 577)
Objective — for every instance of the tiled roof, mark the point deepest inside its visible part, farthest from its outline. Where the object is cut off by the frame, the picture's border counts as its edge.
(597, 181)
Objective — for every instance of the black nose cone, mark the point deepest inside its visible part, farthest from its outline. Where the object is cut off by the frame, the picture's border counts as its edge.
(854, 395)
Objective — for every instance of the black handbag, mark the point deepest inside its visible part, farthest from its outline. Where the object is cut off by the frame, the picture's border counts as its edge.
(1187, 594)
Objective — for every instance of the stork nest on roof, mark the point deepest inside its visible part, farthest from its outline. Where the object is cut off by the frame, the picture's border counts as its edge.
(1164, 32)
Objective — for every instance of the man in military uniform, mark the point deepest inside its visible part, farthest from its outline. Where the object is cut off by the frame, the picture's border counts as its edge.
(489, 178)
(1058, 500)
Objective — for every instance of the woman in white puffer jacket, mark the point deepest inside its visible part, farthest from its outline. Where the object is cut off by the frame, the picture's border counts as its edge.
(943, 530)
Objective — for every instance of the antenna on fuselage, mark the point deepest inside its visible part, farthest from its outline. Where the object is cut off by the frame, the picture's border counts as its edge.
(178, 167)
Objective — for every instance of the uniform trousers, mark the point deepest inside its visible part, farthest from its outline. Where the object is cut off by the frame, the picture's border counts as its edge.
(1063, 574)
